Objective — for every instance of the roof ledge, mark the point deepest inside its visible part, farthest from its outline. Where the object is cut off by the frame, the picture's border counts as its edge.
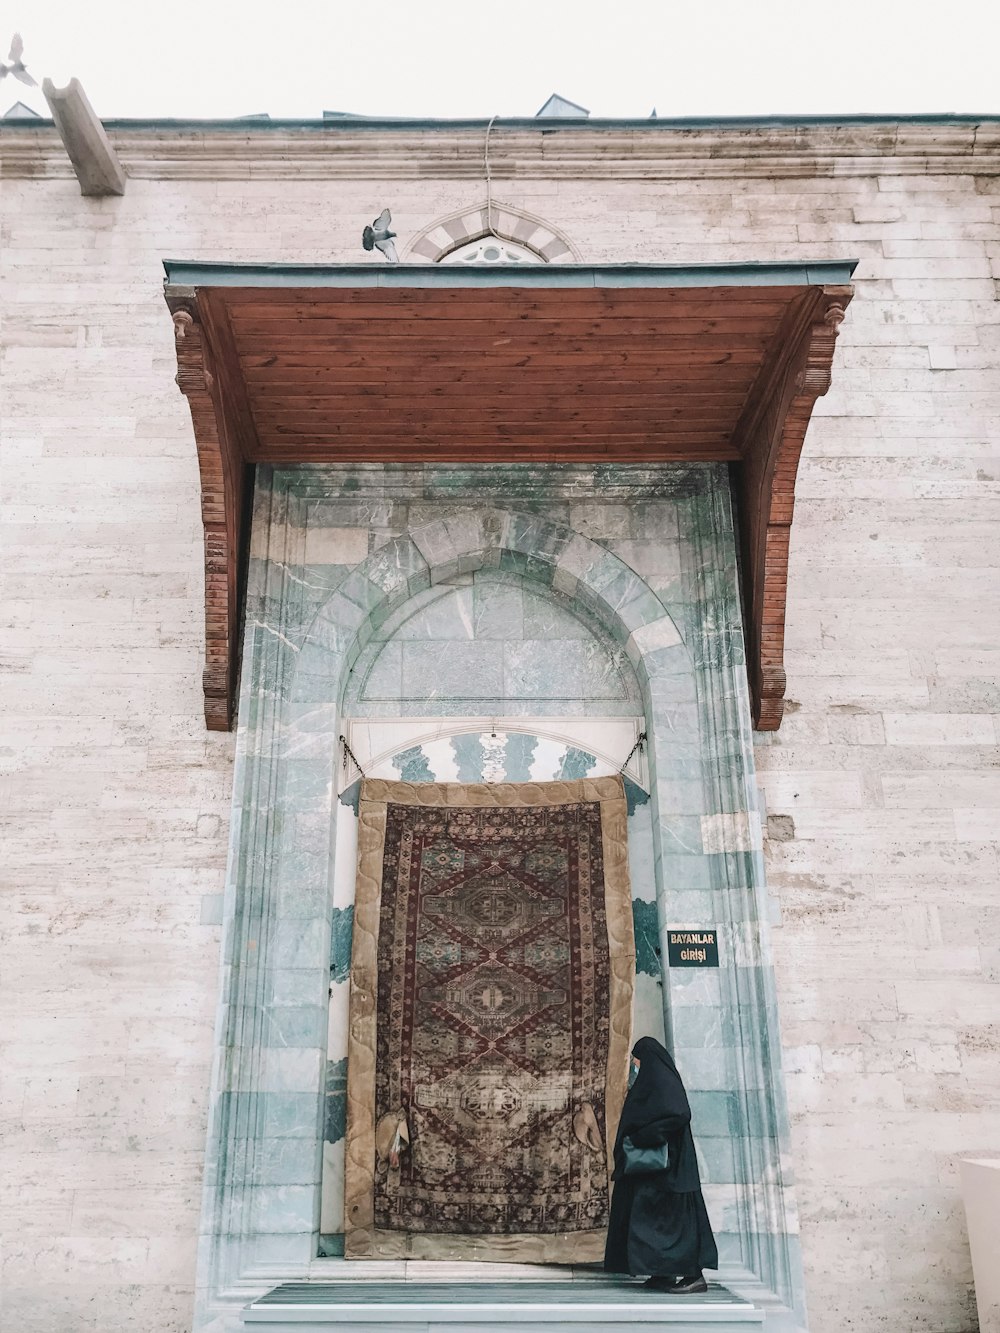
(285, 364)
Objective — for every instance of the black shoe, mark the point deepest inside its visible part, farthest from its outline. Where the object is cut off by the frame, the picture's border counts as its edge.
(679, 1286)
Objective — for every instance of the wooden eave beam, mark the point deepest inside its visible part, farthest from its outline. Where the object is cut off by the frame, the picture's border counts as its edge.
(766, 438)
(221, 430)
(769, 436)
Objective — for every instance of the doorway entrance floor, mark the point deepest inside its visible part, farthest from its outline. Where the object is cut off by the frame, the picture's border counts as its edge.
(591, 1304)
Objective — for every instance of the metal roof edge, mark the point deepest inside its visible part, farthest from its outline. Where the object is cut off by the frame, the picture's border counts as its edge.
(551, 125)
(194, 273)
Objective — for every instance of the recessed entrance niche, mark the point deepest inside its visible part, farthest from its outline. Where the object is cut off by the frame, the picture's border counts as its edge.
(475, 624)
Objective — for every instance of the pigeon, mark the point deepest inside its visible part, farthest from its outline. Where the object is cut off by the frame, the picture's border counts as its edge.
(16, 66)
(379, 237)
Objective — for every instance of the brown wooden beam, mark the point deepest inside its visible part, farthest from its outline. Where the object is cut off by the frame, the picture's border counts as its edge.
(769, 436)
(225, 486)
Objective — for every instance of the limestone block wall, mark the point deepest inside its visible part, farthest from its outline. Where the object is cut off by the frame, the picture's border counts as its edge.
(881, 786)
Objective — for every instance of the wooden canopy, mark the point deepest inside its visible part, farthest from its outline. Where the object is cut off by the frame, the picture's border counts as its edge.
(559, 363)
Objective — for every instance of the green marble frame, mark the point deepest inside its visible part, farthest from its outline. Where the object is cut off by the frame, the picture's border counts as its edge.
(260, 1216)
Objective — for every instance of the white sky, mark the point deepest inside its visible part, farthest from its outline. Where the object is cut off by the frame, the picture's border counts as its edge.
(192, 58)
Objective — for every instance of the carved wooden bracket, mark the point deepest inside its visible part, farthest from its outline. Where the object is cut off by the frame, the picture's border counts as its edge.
(224, 491)
(770, 435)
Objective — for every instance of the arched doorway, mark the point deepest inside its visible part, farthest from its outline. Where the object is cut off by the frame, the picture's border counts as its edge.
(566, 705)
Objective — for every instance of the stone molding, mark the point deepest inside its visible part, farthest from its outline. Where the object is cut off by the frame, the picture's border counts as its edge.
(732, 839)
(450, 233)
(219, 151)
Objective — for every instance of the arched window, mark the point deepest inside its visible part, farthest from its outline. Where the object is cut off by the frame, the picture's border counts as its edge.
(491, 250)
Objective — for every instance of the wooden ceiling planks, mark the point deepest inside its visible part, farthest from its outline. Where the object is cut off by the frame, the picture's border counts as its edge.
(443, 366)
(500, 374)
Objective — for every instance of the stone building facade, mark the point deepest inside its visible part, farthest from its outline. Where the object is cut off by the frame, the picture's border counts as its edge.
(879, 795)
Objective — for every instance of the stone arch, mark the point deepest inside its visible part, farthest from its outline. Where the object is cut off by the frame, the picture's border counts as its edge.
(449, 233)
(590, 665)
(470, 539)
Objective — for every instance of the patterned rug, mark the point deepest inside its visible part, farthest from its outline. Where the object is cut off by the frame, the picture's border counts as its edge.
(491, 980)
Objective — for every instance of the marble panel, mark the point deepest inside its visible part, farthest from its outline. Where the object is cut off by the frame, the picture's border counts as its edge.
(283, 1209)
(412, 765)
(602, 521)
(294, 1025)
(334, 546)
(301, 943)
(284, 1114)
(647, 938)
(335, 1119)
(398, 568)
(498, 608)
(715, 1114)
(519, 756)
(384, 674)
(545, 618)
(445, 670)
(654, 634)
(656, 560)
(470, 757)
(448, 615)
(435, 543)
(560, 668)
(286, 1161)
(575, 764)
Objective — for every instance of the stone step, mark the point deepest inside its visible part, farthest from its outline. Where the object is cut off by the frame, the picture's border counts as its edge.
(461, 1307)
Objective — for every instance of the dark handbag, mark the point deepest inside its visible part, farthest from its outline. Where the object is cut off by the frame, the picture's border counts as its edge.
(644, 1161)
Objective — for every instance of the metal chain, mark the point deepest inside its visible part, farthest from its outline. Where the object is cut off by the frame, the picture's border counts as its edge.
(640, 744)
(349, 754)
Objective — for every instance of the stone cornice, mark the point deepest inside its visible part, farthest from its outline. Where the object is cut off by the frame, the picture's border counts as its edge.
(332, 150)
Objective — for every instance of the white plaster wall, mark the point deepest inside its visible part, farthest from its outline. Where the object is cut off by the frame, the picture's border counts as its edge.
(881, 787)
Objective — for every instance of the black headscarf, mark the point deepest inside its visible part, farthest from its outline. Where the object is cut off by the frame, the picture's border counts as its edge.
(657, 1092)
(656, 1111)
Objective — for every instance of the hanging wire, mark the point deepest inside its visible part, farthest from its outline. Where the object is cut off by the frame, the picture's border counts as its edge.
(489, 182)
(640, 745)
(348, 753)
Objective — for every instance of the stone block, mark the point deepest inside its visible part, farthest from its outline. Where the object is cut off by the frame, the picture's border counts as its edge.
(452, 671)
(335, 546)
(561, 668)
(938, 729)
(654, 635)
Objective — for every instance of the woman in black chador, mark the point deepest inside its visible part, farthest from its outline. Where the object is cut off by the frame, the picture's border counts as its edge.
(658, 1221)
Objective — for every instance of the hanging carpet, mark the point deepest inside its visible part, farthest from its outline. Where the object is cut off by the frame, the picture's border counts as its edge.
(491, 997)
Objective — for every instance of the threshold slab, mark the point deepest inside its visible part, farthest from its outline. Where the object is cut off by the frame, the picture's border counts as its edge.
(454, 1307)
